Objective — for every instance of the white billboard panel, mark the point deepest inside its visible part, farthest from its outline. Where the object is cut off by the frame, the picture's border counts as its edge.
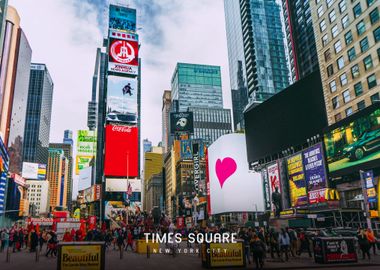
(121, 185)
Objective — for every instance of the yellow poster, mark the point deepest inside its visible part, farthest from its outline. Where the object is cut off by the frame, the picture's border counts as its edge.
(77, 257)
(226, 254)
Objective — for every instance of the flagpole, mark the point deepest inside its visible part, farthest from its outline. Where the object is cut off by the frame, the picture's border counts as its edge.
(127, 184)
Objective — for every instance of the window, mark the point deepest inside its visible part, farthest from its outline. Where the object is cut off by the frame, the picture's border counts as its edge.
(329, 2)
(374, 16)
(357, 10)
(334, 31)
(342, 6)
(335, 102)
(358, 88)
(351, 54)
(330, 70)
(325, 39)
(364, 46)
(332, 86)
(332, 16)
(371, 80)
(368, 62)
(360, 27)
(338, 117)
(343, 79)
(320, 11)
(370, 2)
(348, 37)
(338, 46)
(346, 96)
(355, 71)
(348, 111)
(376, 34)
(340, 62)
(361, 105)
(375, 98)
(327, 55)
(322, 25)
(345, 21)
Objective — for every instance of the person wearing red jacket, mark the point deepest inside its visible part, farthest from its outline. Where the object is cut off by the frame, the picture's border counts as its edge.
(129, 240)
(67, 237)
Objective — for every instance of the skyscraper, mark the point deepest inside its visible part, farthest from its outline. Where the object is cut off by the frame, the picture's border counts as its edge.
(92, 105)
(264, 49)
(300, 38)
(58, 178)
(68, 137)
(166, 105)
(38, 115)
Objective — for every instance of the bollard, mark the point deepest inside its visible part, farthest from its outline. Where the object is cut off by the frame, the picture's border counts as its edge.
(8, 257)
(37, 255)
(147, 251)
(121, 253)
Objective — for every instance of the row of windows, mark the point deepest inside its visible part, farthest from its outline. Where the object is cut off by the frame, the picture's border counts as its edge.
(360, 105)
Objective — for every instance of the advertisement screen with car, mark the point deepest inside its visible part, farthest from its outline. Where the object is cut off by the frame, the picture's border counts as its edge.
(355, 142)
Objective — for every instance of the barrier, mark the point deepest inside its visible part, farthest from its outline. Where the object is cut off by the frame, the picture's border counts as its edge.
(141, 246)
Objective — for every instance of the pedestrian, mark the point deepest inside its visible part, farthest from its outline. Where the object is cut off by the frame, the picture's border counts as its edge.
(372, 240)
(304, 243)
(293, 241)
(273, 242)
(4, 239)
(284, 241)
(364, 244)
(52, 245)
(33, 240)
(258, 251)
(247, 241)
(67, 237)
(129, 240)
(120, 240)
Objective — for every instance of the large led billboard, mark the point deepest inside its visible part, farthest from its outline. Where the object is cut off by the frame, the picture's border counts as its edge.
(181, 122)
(297, 183)
(354, 143)
(121, 185)
(122, 100)
(86, 143)
(122, 18)
(121, 151)
(123, 53)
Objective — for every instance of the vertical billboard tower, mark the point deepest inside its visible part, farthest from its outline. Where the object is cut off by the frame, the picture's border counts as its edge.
(122, 109)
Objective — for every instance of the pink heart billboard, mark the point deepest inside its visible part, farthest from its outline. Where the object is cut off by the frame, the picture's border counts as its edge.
(224, 169)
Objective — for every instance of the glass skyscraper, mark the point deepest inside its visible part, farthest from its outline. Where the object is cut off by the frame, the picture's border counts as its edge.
(38, 115)
(264, 48)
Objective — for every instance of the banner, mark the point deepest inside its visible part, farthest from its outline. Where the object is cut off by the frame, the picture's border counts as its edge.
(181, 122)
(122, 18)
(315, 174)
(369, 186)
(121, 185)
(33, 171)
(86, 143)
(85, 255)
(297, 184)
(226, 254)
(82, 162)
(196, 167)
(266, 190)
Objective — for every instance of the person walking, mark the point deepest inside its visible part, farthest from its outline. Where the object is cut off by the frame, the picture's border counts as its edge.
(273, 242)
(372, 240)
(284, 241)
(293, 241)
(258, 251)
(4, 239)
(33, 240)
(52, 245)
(247, 240)
(129, 238)
(364, 244)
(304, 243)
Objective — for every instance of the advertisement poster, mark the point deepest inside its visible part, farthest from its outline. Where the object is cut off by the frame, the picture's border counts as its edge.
(82, 162)
(121, 151)
(123, 53)
(33, 171)
(315, 173)
(266, 189)
(196, 167)
(181, 122)
(339, 250)
(76, 257)
(122, 18)
(86, 143)
(121, 185)
(187, 149)
(297, 184)
(229, 255)
(114, 210)
(122, 100)
(274, 177)
(354, 143)
(369, 185)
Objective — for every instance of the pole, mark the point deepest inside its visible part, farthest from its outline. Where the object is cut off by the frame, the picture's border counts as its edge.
(366, 208)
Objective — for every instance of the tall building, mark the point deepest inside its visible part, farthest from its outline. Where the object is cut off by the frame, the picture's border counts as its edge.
(166, 106)
(197, 85)
(210, 123)
(38, 197)
(93, 105)
(68, 137)
(154, 192)
(348, 44)
(153, 164)
(264, 49)
(300, 38)
(38, 115)
(236, 61)
(57, 175)
(68, 152)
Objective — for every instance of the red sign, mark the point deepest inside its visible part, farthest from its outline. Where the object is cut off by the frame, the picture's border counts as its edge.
(121, 147)
(124, 52)
(180, 222)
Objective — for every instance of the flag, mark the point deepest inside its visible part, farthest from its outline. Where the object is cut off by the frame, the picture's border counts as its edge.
(129, 190)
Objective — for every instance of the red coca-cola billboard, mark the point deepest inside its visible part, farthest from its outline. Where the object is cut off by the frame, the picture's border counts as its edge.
(121, 151)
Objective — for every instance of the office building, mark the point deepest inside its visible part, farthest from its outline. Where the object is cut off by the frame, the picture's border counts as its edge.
(166, 107)
(68, 152)
(38, 197)
(170, 160)
(300, 38)
(93, 105)
(57, 175)
(348, 45)
(264, 49)
(38, 115)
(196, 85)
(239, 99)
(68, 137)
(153, 164)
(154, 192)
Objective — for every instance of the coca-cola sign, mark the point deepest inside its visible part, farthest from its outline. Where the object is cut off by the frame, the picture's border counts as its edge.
(121, 129)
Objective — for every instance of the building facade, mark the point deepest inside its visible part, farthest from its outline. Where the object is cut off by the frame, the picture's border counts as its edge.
(348, 45)
(300, 38)
(58, 178)
(68, 137)
(38, 115)
(153, 164)
(264, 49)
(154, 192)
(147, 145)
(166, 107)
(38, 197)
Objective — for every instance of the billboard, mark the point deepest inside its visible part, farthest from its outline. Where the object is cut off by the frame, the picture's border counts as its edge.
(85, 255)
(181, 122)
(122, 18)
(297, 183)
(33, 171)
(85, 178)
(82, 162)
(86, 143)
(123, 53)
(229, 177)
(122, 100)
(121, 184)
(315, 173)
(354, 143)
(187, 149)
(121, 151)
(369, 185)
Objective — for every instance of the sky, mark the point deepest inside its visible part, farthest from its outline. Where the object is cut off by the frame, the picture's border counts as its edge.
(64, 35)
